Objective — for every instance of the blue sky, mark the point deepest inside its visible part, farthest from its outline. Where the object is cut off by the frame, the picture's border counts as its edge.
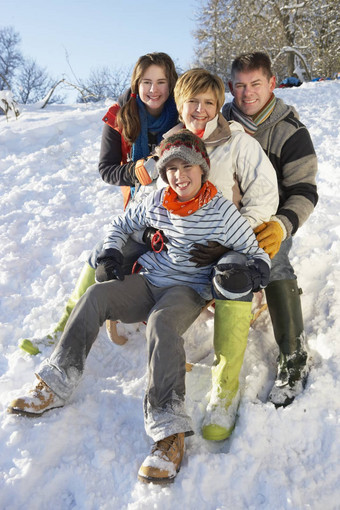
(97, 33)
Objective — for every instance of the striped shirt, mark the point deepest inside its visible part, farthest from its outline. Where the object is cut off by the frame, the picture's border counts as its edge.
(218, 220)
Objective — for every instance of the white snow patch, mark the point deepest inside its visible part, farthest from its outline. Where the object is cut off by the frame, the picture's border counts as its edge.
(85, 456)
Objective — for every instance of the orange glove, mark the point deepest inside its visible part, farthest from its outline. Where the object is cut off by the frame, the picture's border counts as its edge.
(146, 171)
(269, 235)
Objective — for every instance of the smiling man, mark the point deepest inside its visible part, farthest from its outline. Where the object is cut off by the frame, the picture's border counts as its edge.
(287, 143)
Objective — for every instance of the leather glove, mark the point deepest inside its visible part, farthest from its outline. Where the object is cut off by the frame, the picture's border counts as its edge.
(110, 265)
(155, 239)
(146, 170)
(269, 235)
(203, 255)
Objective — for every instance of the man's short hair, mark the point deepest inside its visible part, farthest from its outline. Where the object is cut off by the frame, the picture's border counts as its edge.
(251, 62)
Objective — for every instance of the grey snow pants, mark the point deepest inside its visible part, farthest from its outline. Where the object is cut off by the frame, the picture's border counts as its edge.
(169, 311)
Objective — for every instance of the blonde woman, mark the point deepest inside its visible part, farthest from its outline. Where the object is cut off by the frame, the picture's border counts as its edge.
(244, 174)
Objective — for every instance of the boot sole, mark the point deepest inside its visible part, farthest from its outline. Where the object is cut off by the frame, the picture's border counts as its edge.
(290, 400)
(27, 346)
(157, 481)
(12, 410)
(216, 433)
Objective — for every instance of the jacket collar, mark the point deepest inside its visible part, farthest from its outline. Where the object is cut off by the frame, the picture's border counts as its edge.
(280, 111)
(217, 131)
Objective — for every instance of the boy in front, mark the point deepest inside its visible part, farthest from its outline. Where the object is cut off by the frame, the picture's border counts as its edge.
(169, 293)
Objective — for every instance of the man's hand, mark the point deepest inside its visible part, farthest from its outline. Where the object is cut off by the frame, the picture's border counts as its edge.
(109, 267)
(269, 235)
(203, 255)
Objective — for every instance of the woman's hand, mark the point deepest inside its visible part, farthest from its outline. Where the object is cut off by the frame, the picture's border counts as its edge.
(203, 255)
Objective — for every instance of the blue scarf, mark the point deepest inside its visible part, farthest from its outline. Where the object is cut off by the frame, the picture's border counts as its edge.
(160, 125)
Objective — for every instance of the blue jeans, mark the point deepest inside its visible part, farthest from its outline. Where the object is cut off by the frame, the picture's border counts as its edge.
(281, 267)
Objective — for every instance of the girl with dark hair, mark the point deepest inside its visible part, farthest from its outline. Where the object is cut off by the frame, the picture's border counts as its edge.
(130, 134)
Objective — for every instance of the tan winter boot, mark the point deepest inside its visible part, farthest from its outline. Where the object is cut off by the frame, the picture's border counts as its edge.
(38, 400)
(164, 462)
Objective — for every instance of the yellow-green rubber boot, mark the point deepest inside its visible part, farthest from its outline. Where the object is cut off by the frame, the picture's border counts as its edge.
(85, 280)
(231, 327)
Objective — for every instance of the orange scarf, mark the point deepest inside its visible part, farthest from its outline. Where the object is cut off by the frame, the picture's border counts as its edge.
(173, 205)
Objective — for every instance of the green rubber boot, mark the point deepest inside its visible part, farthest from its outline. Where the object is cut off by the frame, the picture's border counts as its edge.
(231, 327)
(284, 305)
(85, 280)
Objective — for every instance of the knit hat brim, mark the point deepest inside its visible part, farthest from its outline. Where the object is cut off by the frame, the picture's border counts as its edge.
(186, 146)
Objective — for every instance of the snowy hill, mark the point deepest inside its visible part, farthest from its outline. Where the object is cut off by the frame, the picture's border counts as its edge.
(85, 456)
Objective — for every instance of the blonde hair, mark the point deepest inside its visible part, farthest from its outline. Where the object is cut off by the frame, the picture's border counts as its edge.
(128, 117)
(196, 81)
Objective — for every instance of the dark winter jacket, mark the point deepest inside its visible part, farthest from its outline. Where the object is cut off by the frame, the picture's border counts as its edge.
(287, 143)
(114, 165)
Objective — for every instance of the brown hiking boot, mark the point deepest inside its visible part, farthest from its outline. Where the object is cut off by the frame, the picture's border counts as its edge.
(164, 462)
(38, 400)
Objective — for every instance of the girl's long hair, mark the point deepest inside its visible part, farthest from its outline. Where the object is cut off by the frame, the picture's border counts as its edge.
(128, 117)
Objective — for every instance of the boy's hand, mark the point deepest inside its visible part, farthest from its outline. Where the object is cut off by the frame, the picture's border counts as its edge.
(153, 241)
(109, 267)
(203, 255)
(269, 235)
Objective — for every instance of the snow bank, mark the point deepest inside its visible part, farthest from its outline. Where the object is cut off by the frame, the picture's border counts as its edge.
(54, 207)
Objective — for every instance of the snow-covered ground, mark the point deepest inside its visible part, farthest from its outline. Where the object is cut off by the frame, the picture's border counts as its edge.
(85, 456)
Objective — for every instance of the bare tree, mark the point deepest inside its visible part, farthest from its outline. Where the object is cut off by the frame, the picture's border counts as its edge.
(213, 42)
(33, 82)
(10, 56)
(105, 83)
(301, 36)
(325, 43)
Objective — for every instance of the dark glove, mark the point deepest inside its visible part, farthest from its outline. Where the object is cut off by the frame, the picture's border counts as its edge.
(232, 279)
(203, 255)
(155, 239)
(259, 272)
(110, 265)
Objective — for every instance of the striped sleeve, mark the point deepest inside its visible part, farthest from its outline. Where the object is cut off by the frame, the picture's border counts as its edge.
(133, 220)
(298, 184)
